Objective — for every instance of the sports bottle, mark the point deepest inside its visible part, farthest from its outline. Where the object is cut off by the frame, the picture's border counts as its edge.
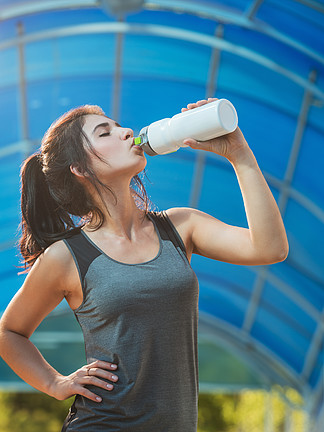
(202, 123)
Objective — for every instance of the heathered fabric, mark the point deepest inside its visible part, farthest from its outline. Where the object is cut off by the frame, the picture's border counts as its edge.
(143, 317)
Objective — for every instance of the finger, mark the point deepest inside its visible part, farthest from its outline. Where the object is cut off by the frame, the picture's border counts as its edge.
(87, 394)
(212, 99)
(92, 380)
(201, 102)
(102, 364)
(198, 145)
(184, 109)
(97, 372)
(190, 142)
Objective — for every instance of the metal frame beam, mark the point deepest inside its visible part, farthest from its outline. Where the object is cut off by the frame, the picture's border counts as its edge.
(256, 353)
(170, 33)
(214, 64)
(253, 9)
(255, 299)
(36, 6)
(314, 347)
(294, 153)
(117, 76)
(223, 15)
(219, 14)
(22, 83)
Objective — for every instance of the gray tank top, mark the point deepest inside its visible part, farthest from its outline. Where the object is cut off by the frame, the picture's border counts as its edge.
(143, 317)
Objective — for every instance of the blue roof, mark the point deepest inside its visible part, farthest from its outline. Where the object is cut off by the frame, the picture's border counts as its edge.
(267, 57)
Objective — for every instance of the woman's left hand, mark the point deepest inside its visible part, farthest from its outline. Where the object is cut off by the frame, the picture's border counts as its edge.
(226, 145)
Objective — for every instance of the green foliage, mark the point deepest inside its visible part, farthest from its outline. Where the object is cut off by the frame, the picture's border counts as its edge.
(31, 412)
(248, 411)
(213, 412)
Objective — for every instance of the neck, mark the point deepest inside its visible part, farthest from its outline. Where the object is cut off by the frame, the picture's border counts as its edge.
(121, 218)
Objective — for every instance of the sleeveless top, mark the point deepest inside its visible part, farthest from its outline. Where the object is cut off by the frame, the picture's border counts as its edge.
(142, 317)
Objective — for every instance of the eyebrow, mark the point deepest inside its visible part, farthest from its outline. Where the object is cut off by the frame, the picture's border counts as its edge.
(105, 124)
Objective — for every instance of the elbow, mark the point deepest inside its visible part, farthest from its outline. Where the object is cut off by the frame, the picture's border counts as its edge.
(278, 255)
(281, 255)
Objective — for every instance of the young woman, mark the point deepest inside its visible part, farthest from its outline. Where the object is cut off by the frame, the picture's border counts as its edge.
(125, 272)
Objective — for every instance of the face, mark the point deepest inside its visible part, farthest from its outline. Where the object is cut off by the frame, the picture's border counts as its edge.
(115, 145)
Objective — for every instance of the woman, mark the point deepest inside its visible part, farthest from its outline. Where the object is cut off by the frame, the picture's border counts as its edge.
(125, 272)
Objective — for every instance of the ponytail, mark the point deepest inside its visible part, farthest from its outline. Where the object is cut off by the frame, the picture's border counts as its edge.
(43, 221)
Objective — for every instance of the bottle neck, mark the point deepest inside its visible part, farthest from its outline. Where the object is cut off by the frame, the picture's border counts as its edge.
(145, 142)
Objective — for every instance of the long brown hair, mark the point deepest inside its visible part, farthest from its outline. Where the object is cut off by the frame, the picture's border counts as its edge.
(54, 204)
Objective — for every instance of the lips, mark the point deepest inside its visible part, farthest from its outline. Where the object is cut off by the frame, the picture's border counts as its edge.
(135, 145)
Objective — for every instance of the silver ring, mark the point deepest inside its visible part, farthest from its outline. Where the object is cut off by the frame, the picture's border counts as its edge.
(88, 371)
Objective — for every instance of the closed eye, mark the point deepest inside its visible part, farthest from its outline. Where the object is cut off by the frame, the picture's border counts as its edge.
(104, 134)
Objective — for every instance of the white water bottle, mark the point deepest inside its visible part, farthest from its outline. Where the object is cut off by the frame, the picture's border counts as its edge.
(202, 123)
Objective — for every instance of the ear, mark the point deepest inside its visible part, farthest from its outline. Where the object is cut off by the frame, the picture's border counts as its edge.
(75, 170)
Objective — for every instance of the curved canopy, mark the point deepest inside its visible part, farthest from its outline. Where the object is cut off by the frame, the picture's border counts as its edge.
(144, 60)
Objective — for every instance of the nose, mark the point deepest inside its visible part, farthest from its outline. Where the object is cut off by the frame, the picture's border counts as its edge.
(127, 133)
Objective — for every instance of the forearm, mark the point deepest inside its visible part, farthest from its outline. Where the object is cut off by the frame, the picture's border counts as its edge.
(267, 231)
(27, 362)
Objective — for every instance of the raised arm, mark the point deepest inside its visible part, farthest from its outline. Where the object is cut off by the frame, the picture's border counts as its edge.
(265, 241)
(53, 277)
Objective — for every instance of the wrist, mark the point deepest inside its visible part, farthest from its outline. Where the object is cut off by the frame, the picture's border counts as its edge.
(242, 156)
(54, 386)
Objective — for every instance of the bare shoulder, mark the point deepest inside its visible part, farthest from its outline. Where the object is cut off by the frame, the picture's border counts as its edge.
(183, 217)
(57, 253)
(56, 265)
(180, 217)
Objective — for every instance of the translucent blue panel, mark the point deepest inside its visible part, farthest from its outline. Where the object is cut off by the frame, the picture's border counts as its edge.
(9, 197)
(50, 99)
(166, 58)
(251, 81)
(308, 177)
(10, 124)
(276, 329)
(10, 280)
(318, 368)
(283, 326)
(8, 2)
(291, 314)
(9, 72)
(165, 18)
(283, 17)
(220, 194)
(56, 19)
(8, 29)
(231, 5)
(9, 225)
(272, 133)
(305, 286)
(305, 234)
(284, 55)
(237, 279)
(169, 180)
(316, 118)
(41, 60)
(220, 301)
(88, 54)
(66, 57)
(145, 100)
(9, 256)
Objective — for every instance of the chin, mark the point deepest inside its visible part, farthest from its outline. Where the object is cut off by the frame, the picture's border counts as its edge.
(142, 165)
